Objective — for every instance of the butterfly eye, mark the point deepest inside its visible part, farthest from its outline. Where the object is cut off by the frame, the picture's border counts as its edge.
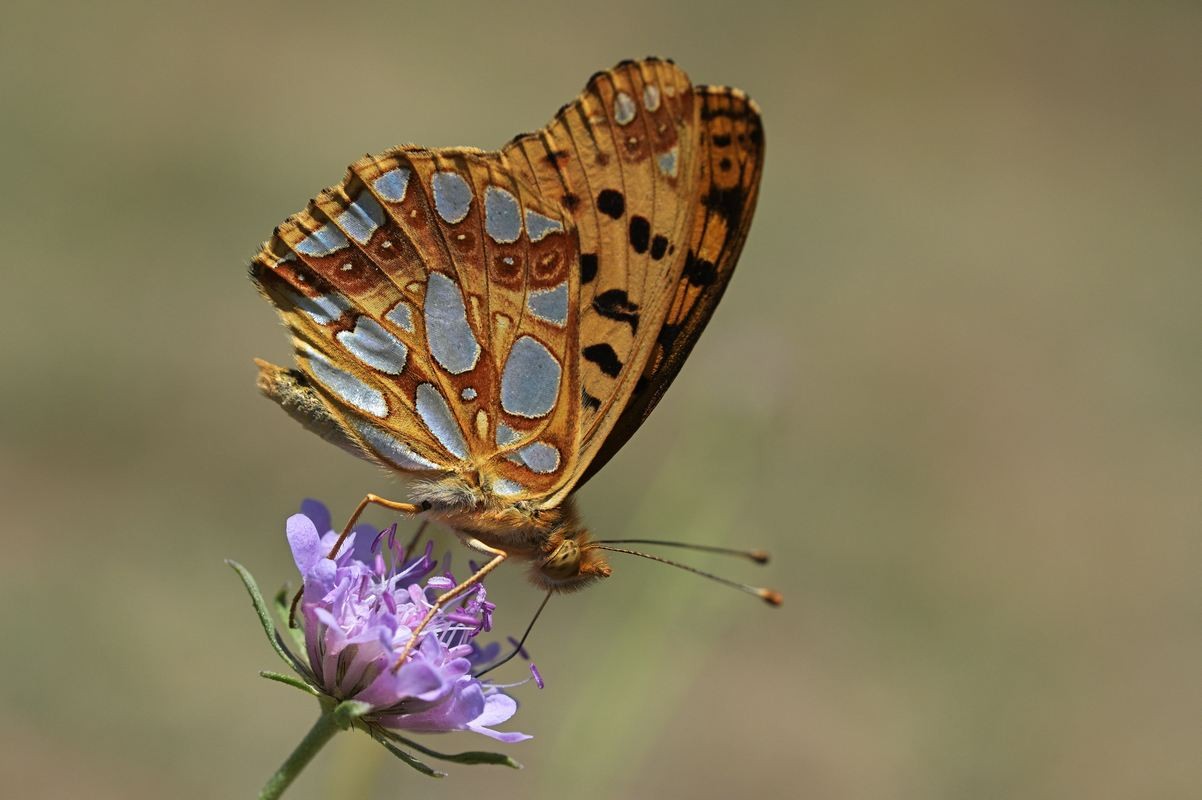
(564, 562)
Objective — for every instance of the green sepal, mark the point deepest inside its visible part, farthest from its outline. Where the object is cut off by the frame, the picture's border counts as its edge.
(256, 599)
(296, 683)
(283, 610)
(470, 757)
(424, 769)
(346, 712)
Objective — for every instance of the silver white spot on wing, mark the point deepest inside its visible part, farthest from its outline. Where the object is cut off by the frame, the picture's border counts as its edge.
(401, 315)
(468, 394)
(352, 390)
(550, 304)
(374, 346)
(390, 447)
(538, 457)
(539, 227)
(451, 340)
(667, 162)
(434, 411)
(323, 241)
(650, 97)
(452, 196)
(530, 380)
(506, 435)
(392, 185)
(362, 217)
(502, 219)
(624, 109)
(504, 486)
(325, 309)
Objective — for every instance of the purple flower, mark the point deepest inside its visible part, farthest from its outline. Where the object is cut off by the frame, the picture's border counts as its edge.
(359, 611)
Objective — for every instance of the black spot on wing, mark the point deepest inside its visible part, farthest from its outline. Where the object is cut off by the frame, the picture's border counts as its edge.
(730, 203)
(611, 203)
(588, 267)
(659, 246)
(640, 234)
(699, 271)
(667, 336)
(615, 304)
(604, 357)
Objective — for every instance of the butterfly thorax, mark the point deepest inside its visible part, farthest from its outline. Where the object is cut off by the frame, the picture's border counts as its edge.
(553, 540)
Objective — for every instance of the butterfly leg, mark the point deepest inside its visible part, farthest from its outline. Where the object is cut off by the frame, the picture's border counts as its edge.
(404, 508)
(446, 597)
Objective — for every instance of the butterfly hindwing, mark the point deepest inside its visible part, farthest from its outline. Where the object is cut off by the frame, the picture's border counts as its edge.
(411, 341)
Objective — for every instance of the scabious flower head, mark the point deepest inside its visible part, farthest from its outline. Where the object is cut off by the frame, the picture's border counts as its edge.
(359, 610)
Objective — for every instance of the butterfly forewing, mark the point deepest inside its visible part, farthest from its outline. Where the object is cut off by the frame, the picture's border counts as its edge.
(731, 141)
(622, 160)
(432, 361)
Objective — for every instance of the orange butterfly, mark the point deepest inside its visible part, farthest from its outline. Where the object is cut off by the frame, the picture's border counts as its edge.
(498, 324)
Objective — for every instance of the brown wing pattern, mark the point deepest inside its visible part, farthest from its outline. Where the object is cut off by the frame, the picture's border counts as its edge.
(428, 299)
(622, 159)
(732, 160)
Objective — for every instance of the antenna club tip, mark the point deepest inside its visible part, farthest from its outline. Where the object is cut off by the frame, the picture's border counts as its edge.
(759, 556)
(771, 597)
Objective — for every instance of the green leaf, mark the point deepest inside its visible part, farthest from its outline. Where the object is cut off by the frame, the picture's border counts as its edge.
(470, 757)
(424, 769)
(296, 683)
(256, 598)
(283, 610)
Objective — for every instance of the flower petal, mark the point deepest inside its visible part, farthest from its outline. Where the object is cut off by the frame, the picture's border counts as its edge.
(415, 679)
(317, 512)
(497, 709)
(305, 543)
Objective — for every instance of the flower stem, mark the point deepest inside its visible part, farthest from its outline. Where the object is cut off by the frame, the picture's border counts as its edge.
(322, 731)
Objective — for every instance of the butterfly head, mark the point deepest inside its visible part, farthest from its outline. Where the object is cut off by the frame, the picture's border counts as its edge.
(569, 563)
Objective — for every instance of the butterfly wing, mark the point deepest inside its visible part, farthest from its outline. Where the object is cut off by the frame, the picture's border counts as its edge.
(731, 142)
(623, 160)
(512, 317)
(427, 295)
(661, 178)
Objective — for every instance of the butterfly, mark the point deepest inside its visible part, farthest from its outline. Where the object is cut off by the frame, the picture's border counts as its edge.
(497, 324)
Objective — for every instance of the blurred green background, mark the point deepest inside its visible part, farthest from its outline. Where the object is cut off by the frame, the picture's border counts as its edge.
(954, 387)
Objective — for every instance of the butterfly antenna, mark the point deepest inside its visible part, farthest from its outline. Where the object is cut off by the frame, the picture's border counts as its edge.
(769, 596)
(758, 556)
(518, 648)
